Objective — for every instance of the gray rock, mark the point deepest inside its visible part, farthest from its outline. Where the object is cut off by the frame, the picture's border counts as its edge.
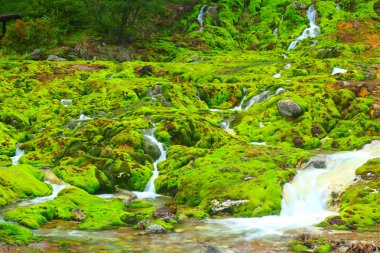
(55, 58)
(209, 248)
(127, 197)
(36, 55)
(318, 163)
(156, 229)
(151, 148)
(78, 214)
(226, 205)
(289, 108)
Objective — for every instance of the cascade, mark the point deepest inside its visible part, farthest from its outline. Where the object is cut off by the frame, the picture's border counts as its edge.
(257, 98)
(19, 153)
(201, 16)
(150, 189)
(305, 199)
(240, 106)
(278, 75)
(310, 32)
(337, 70)
(275, 32)
(66, 102)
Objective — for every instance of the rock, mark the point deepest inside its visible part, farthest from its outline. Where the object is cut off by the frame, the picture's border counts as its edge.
(329, 53)
(36, 55)
(127, 197)
(298, 141)
(248, 178)
(164, 214)
(375, 110)
(157, 229)
(144, 71)
(289, 108)
(222, 206)
(317, 163)
(209, 248)
(151, 148)
(55, 58)
(78, 214)
(317, 130)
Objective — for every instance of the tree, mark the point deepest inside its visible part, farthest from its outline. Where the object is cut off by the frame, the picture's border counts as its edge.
(121, 20)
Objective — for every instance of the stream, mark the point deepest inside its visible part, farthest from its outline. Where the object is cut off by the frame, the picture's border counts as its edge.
(304, 204)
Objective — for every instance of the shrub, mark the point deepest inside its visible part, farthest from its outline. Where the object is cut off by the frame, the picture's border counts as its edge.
(25, 36)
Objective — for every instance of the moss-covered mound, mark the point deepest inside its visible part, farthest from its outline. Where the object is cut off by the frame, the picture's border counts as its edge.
(16, 235)
(359, 207)
(22, 181)
(72, 204)
(248, 178)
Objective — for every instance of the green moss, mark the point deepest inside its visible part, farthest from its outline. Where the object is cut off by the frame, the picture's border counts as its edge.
(99, 213)
(16, 235)
(82, 177)
(22, 181)
(359, 206)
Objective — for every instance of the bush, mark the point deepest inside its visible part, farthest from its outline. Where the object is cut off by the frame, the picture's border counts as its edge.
(25, 36)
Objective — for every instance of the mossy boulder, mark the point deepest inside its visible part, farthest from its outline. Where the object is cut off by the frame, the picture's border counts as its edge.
(85, 177)
(238, 174)
(359, 204)
(100, 213)
(22, 181)
(16, 235)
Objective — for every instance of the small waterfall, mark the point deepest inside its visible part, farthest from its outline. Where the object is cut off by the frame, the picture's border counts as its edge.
(258, 98)
(19, 153)
(201, 16)
(240, 106)
(305, 199)
(83, 118)
(310, 32)
(66, 102)
(288, 66)
(338, 7)
(150, 189)
(275, 32)
(278, 75)
(337, 70)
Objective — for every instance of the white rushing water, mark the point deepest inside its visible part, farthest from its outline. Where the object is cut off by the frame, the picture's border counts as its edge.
(66, 102)
(201, 17)
(337, 70)
(305, 199)
(256, 99)
(19, 153)
(275, 32)
(312, 31)
(278, 75)
(39, 200)
(150, 189)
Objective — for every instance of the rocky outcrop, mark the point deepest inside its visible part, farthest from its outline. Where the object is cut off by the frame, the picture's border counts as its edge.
(289, 108)
(209, 248)
(225, 205)
(55, 58)
(156, 229)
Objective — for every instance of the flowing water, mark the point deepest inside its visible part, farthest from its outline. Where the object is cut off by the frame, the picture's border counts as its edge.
(201, 16)
(337, 70)
(304, 204)
(150, 189)
(66, 102)
(19, 153)
(312, 31)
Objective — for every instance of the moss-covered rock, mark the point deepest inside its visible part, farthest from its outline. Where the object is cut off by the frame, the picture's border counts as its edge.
(359, 204)
(85, 177)
(100, 213)
(16, 235)
(22, 181)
